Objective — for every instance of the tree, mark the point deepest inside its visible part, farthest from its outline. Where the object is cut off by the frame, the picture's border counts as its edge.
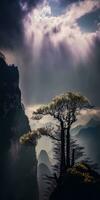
(31, 137)
(64, 108)
(55, 111)
(72, 104)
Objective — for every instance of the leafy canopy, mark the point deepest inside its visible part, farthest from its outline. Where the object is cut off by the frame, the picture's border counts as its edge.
(61, 106)
(32, 137)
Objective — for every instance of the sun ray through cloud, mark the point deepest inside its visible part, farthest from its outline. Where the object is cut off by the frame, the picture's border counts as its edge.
(41, 24)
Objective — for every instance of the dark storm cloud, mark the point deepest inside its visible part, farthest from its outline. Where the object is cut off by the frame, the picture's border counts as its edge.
(11, 15)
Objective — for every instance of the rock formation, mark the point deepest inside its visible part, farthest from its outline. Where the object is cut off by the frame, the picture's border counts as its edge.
(17, 163)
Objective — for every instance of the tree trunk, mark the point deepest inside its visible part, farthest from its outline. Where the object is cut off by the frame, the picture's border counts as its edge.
(73, 157)
(62, 163)
(68, 147)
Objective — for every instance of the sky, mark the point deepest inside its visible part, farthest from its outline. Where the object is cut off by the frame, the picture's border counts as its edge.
(55, 44)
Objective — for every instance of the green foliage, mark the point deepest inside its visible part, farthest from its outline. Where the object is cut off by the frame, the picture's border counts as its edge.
(62, 104)
(28, 138)
(70, 99)
(82, 171)
(31, 137)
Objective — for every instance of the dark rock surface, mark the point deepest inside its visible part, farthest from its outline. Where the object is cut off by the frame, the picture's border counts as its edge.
(18, 179)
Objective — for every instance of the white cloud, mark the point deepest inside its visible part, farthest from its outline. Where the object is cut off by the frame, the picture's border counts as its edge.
(77, 10)
(86, 115)
(41, 24)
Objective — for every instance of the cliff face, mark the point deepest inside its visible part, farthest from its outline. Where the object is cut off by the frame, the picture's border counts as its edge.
(13, 120)
(10, 95)
(17, 163)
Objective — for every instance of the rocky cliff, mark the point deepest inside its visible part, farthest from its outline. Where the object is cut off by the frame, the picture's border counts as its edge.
(17, 163)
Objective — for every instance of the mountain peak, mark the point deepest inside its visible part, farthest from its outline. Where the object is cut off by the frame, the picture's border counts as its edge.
(44, 158)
